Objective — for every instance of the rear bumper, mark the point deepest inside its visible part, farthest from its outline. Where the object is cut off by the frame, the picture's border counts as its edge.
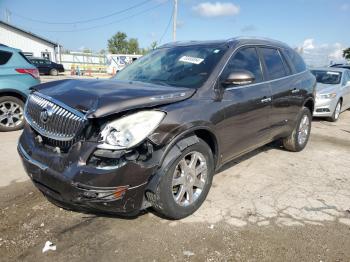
(67, 179)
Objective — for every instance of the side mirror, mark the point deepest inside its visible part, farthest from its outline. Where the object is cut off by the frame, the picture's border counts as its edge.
(239, 78)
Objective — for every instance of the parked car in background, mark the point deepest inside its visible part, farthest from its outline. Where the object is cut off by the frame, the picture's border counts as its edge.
(345, 66)
(47, 67)
(332, 92)
(17, 75)
(156, 133)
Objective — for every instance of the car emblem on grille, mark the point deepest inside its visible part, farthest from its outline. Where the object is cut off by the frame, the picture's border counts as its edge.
(46, 113)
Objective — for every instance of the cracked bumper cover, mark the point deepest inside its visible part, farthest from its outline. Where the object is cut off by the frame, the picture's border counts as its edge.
(67, 179)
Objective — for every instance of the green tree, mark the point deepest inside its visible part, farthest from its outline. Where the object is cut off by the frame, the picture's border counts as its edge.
(118, 43)
(154, 45)
(133, 46)
(346, 53)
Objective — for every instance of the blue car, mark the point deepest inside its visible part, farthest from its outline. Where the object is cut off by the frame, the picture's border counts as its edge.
(17, 75)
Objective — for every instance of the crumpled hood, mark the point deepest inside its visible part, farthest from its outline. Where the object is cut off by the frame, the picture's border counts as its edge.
(325, 88)
(99, 98)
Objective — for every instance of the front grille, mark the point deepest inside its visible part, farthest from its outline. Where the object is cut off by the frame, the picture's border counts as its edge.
(57, 123)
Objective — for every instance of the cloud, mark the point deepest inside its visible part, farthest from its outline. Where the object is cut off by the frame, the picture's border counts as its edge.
(308, 44)
(217, 9)
(321, 54)
(249, 28)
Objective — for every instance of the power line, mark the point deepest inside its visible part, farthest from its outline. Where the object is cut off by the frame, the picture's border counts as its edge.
(167, 27)
(113, 22)
(83, 21)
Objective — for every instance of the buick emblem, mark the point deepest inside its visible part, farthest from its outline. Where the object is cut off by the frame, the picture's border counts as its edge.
(45, 114)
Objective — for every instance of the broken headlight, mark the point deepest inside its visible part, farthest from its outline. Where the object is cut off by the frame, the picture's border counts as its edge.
(130, 130)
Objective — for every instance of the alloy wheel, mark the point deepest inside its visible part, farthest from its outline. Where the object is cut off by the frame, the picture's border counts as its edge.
(11, 114)
(303, 130)
(337, 111)
(189, 178)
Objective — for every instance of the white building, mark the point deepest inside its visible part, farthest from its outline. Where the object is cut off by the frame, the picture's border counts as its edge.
(30, 44)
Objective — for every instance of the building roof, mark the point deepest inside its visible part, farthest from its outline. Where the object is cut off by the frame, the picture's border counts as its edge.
(28, 33)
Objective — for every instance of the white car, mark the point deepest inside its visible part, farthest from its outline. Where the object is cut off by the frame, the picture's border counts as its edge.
(332, 92)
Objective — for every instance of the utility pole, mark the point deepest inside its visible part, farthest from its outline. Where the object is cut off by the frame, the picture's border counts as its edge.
(7, 15)
(174, 20)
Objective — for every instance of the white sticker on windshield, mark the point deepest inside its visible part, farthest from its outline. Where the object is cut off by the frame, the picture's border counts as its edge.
(191, 59)
(333, 73)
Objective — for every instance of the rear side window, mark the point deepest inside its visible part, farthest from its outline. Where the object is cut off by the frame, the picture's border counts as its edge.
(24, 57)
(4, 57)
(245, 59)
(274, 63)
(296, 59)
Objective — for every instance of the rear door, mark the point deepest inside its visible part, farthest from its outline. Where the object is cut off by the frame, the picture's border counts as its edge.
(278, 73)
(247, 108)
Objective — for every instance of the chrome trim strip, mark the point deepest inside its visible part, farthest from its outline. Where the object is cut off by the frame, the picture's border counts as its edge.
(30, 159)
(265, 82)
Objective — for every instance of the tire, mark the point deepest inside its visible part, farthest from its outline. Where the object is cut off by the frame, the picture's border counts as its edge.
(165, 203)
(299, 138)
(53, 72)
(11, 114)
(336, 113)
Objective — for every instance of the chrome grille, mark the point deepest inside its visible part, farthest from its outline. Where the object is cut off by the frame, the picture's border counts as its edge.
(52, 119)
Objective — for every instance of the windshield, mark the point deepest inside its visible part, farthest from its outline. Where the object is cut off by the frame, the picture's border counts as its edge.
(327, 77)
(176, 66)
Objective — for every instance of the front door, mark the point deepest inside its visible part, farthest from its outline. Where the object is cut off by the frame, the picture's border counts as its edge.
(247, 108)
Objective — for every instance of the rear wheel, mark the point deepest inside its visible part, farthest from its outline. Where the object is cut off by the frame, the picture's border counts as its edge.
(54, 72)
(301, 133)
(11, 114)
(186, 182)
(336, 112)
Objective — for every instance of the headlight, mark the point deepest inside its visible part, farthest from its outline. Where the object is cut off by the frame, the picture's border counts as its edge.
(130, 130)
(327, 96)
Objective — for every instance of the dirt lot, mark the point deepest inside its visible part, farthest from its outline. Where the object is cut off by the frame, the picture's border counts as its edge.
(271, 205)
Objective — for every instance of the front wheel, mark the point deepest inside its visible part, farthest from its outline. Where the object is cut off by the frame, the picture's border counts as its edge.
(336, 112)
(185, 183)
(301, 133)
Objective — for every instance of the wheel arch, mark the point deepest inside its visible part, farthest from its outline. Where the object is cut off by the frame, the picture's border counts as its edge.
(13, 93)
(179, 143)
(310, 104)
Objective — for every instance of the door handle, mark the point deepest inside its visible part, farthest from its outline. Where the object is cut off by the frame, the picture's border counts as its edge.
(295, 90)
(266, 100)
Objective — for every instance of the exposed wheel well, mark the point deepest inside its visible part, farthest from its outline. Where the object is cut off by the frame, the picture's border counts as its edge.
(210, 139)
(310, 105)
(14, 94)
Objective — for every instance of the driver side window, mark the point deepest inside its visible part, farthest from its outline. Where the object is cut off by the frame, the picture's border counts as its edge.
(245, 59)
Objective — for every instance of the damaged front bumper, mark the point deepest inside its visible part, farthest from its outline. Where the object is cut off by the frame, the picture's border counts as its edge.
(70, 180)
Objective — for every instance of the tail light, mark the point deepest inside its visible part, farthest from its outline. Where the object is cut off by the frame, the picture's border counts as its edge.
(30, 71)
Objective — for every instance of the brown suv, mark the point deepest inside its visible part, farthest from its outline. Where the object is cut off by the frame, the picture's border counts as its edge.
(156, 133)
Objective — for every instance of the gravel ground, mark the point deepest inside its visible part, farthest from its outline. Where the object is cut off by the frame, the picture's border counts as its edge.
(271, 205)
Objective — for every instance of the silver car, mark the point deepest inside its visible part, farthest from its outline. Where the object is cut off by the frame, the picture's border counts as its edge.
(332, 92)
